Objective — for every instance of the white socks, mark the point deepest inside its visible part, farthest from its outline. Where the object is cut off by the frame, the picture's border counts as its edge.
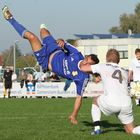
(96, 116)
(96, 113)
(137, 101)
(136, 130)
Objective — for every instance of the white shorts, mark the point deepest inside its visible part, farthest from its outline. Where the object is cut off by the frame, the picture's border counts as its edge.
(124, 113)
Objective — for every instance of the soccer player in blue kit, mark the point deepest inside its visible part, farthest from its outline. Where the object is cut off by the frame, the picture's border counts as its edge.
(51, 56)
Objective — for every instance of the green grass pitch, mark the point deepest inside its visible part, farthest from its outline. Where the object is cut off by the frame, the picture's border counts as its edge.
(47, 119)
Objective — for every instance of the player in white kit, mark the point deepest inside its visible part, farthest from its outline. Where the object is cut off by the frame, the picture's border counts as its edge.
(115, 99)
(134, 71)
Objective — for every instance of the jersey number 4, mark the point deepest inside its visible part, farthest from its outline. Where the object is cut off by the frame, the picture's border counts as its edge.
(117, 75)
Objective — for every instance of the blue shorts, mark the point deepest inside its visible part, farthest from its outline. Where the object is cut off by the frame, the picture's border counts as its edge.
(49, 46)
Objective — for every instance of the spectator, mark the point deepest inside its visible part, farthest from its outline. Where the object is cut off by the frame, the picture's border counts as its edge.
(8, 81)
(14, 77)
(39, 76)
(30, 84)
(54, 77)
(44, 77)
(22, 78)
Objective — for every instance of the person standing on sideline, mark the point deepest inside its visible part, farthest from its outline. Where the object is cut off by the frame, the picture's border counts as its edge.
(134, 71)
(7, 81)
(22, 78)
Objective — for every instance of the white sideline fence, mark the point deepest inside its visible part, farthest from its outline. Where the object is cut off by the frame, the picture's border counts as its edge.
(51, 89)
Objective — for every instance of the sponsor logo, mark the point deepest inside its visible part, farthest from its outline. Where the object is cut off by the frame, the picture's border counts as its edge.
(72, 59)
(37, 54)
(74, 73)
(66, 68)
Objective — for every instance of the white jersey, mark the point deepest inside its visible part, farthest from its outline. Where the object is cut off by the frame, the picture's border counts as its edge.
(135, 67)
(115, 83)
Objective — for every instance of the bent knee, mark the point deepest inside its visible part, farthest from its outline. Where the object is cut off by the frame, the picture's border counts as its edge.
(129, 128)
(30, 36)
(129, 131)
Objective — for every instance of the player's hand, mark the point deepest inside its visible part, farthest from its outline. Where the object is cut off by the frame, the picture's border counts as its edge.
(73, 119)
(60, 42)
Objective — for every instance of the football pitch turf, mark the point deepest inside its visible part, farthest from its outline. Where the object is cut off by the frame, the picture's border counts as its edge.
(47, 119)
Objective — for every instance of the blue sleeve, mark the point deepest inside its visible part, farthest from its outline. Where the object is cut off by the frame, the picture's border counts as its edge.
(81, 85)
(71, 48)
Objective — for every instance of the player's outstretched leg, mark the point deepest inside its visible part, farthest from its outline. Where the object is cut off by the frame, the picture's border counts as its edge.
(22, 31)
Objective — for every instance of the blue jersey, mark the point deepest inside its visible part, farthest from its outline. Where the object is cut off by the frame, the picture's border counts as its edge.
(66, 64)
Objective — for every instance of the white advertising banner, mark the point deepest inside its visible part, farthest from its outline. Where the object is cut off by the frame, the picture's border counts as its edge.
(51, 89)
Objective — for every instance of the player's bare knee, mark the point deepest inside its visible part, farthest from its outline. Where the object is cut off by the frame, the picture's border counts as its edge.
(130, 132)
(30, 36)
(128, 129)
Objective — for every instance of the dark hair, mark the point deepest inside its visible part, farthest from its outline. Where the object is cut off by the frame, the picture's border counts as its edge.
(113, 56)
(137, 50)
(96, 74)
(94, 58)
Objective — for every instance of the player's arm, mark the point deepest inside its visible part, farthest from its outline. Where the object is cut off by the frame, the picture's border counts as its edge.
(80, 85)
(130, 72)
(77, 105)
(70, 48)
(96, 68)
(130, 75)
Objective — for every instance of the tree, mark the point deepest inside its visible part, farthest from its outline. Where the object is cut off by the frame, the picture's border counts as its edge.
(26, 61)
(1, 61)
(128, 22)
(72, 41)
(8, 55)
(137, 10)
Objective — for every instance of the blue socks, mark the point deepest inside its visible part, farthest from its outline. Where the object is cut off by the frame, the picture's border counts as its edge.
(18, 27)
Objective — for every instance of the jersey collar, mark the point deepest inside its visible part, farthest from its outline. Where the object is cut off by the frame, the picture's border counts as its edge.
(79, 64)
(114, 64)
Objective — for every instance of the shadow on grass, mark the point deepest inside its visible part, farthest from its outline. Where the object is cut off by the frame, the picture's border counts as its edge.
(107, 126)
